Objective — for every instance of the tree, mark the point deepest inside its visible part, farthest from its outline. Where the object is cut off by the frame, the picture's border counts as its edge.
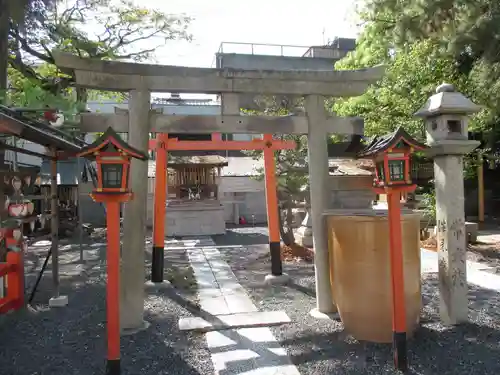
(465, 33)
(19, 12)
(468, 29)
(291, 165)
(120, 28)
(410, 79)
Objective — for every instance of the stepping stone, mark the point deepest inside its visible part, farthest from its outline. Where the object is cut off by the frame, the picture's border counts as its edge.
(241, 320)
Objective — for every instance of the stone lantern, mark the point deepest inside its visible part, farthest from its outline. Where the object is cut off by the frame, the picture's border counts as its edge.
(446, 121)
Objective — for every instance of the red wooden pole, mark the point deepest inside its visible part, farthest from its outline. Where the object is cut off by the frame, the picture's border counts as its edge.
(272, 207)
(397, 280)
(14, 273)
(157, 266)
(113, 287)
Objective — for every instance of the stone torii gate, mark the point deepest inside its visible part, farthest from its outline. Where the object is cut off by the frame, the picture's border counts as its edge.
(142, 79)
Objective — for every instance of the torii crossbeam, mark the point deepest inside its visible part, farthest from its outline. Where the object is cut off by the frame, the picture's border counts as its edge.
(173, 144)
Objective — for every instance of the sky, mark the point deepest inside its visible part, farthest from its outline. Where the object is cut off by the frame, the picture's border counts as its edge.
(289, 22)
(280, 22)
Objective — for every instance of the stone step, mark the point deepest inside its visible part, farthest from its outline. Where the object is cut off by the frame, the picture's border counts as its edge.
(230, 321)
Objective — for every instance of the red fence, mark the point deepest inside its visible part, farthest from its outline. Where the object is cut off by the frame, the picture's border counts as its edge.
(13, 271)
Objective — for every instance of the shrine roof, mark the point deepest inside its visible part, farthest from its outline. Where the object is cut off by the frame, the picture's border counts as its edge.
(350, 167)
(16, 123)
(383, 143)
(212, 160)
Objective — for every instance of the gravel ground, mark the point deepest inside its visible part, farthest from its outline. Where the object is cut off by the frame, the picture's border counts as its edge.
(321, 347)
(72, 340)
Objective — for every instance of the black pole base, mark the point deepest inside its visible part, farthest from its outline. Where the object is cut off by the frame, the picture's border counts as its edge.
(157, 264)
(113, 367)
(399, 347)
(276, 265)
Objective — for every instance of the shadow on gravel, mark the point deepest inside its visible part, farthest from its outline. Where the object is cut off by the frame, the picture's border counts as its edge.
(323, 347)
(243, 236)
(265, 358)
(72, 340)
(471, 348)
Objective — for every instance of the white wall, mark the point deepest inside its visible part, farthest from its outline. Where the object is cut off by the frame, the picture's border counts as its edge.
(242, 184)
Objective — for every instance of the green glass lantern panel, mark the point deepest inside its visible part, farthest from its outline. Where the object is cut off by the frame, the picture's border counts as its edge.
(397, 170)
(380, 171)
(112, 176)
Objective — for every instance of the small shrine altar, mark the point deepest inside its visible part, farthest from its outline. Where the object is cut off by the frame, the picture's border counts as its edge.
(193, 206)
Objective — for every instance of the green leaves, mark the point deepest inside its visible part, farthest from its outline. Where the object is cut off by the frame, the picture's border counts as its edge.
(424, 43)
(291, 165)
(120, 30)
(411, 78)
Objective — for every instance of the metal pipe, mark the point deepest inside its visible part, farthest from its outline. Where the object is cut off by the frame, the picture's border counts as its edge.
(39, 277)
(54, 225)
(14, 161)
(80, 208)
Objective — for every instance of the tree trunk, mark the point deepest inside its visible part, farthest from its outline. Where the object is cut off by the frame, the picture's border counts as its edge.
(4, 45)
(289, 216)
(82, 95)
(4, 60)
(286, 234)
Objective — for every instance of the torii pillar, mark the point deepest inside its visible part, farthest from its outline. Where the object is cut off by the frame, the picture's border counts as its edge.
(134, 226)
(317, 149)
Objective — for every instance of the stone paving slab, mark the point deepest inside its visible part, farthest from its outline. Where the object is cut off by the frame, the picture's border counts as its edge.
(241, 320)
(250, 351)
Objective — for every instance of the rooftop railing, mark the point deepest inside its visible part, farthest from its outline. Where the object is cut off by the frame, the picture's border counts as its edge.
(263, 49)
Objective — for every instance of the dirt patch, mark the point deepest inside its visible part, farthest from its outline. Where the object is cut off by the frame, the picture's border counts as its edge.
(181, 278)
(429, 244)
(296, 252)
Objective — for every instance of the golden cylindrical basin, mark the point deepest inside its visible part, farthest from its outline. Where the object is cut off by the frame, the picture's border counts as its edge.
(360, 273)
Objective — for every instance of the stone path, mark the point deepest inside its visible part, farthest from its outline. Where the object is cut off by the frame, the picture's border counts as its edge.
(244, 351)
(488, 236)
(475, 271)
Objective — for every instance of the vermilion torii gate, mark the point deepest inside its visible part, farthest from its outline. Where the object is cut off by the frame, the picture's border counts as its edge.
(142, 79)
(162, 144)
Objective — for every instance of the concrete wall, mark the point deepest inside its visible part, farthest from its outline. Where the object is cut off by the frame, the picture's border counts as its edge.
(23, 159)
(249, 192)
(267, 62)
(240, 184)
(270, 62)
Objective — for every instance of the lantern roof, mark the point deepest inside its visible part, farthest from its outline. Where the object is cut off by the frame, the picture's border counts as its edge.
(111, 141)
(399, 138)
(447, 100)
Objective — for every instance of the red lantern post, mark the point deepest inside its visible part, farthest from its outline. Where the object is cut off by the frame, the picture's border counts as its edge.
(391, 154)
(113, 157)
